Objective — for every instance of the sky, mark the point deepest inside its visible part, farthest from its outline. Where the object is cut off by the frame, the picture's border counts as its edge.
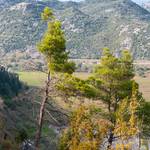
(141, 1)
(137, 1)
(72, 0)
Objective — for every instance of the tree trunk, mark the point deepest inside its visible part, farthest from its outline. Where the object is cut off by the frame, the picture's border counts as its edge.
(110, 139)
(41, 115)
(116, 104)
(109, 107)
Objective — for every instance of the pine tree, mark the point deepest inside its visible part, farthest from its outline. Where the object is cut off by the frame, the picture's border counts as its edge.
(114, 78)
(53, 47)
(113, 83)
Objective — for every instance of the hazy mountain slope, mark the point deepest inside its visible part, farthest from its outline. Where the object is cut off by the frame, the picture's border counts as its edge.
(124, 25)
(89, 26)
(20, 26)
(146, 5)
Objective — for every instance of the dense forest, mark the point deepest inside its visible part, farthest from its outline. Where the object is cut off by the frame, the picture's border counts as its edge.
(9, 83)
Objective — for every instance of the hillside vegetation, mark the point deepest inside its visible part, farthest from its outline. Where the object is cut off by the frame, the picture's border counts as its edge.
(89, 26)
(10, 85)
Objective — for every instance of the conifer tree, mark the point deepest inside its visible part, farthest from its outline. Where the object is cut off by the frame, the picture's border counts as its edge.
(115, 77)
(112, 83)
(53, 47)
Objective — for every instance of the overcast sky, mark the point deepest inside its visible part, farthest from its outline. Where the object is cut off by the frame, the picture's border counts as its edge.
(141, 1)
(138, 1)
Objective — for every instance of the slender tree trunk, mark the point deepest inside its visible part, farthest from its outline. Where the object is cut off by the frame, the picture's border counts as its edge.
(41, 115)
(115, 105)
(109, 107)
(110, 139)
(111, 133)
(139, 140)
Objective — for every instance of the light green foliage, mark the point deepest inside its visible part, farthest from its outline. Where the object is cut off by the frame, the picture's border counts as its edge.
(53, 45)
(73, 86)
(114, 77)
(47, 14)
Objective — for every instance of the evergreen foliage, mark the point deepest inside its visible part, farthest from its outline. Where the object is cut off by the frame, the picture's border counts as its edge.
(114, 78)
(73, 86)
(53, 45)
(9, 83)
(113, 83)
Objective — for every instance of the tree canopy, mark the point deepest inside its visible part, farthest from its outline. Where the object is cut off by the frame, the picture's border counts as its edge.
(53, 45)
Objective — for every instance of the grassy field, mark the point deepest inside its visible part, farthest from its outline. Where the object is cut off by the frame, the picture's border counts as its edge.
(38, 79)
(33, 78)
(144, 85)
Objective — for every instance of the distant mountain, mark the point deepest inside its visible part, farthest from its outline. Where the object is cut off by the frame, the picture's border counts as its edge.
(89, 26)
(146, 5)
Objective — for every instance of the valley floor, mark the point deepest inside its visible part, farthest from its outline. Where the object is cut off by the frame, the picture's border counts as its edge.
(37, 79)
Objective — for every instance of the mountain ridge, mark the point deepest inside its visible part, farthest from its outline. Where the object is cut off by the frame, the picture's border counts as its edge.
(117, 24)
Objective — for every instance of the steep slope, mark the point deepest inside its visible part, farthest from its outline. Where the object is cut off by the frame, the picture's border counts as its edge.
(21, 26)
(124, 25)
(21, 116)
(19, 108)
(89, 26)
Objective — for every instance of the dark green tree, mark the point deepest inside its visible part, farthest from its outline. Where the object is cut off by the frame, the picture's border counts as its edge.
(144, 116)
(114, 76)
(10, 84)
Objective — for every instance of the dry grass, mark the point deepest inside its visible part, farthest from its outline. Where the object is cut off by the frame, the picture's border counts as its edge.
(144, 85)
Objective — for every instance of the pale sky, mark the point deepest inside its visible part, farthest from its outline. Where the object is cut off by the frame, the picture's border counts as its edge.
(72, 0)
(138, 1)
(141, 1)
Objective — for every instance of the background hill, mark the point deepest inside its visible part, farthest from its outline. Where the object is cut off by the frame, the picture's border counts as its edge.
(146, 5)
(89, 26)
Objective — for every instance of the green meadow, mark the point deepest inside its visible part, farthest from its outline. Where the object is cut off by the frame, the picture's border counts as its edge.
(37, 79)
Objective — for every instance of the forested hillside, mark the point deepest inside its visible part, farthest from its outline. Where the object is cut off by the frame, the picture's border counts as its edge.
(9, 83)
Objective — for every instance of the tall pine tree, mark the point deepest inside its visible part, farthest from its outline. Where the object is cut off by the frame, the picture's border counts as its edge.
(53, 47)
